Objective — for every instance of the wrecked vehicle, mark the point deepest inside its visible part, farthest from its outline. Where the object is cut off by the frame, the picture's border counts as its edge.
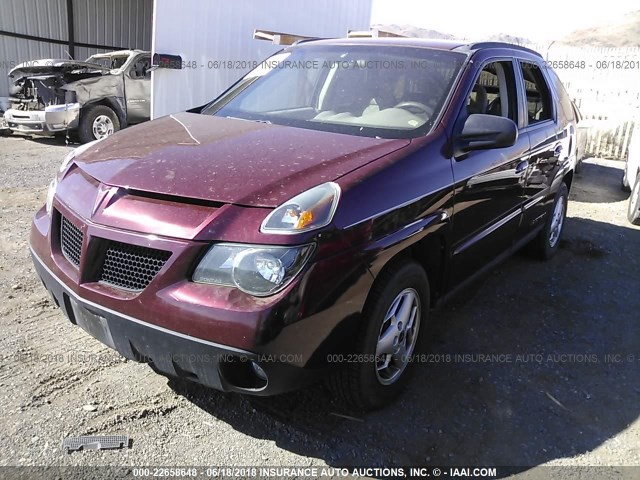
(92, 99)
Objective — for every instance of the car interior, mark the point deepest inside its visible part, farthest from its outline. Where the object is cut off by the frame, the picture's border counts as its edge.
(402, 98)
(538, 97)
(494, 92)
(140, 68)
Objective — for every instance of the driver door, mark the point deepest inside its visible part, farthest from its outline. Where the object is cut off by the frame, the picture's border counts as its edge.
(137, 89)
(488, 183)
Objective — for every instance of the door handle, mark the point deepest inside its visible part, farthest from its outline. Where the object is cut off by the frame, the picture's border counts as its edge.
(522, 166)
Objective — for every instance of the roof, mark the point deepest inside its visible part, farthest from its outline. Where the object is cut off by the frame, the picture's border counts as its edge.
(400, 41)
(117, 53)
(439, 44)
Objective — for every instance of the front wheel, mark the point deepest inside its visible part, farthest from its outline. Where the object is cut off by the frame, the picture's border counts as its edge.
(395, 317)
(578, 168)
(97, 122)
(633, 211)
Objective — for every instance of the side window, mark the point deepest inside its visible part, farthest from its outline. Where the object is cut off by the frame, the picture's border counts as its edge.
(494, 92)
(565, 101)
(538, 94)
(140, 68)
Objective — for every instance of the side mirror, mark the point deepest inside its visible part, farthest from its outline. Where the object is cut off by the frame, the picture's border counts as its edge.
(481, 132)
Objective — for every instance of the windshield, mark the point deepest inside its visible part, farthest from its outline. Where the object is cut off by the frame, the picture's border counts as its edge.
(113, 62)
(367, 90)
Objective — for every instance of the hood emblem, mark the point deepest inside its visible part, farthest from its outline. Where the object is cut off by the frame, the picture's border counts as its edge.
(103, 197)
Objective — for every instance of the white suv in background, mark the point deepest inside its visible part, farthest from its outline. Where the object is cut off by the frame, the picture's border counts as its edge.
(631, 178)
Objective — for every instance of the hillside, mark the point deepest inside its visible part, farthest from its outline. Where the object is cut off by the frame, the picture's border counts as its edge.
(622, 34)
(411, 31)
(417, 32)
(625, 33)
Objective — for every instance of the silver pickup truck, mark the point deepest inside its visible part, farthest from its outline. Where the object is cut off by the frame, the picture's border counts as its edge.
(92, 99)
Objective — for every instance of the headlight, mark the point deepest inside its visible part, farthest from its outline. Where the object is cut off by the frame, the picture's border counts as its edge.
(63, 168)
(67, 160)
(256, 270)
(308, 211)
(50, 194)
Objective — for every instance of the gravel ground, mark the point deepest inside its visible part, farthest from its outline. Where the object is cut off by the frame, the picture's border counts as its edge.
(565, 392)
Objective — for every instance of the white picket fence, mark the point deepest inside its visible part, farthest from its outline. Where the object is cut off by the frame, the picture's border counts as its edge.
(605, 84)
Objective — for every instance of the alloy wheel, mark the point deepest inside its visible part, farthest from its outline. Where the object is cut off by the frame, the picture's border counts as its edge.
(102, 127)
(635, 198)
(398, 335)
(557, 221)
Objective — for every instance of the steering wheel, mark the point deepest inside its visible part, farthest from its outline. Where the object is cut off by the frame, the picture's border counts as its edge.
(413, 106)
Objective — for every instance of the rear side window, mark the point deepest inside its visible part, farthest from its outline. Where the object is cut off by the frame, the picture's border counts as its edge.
(539, 106)
(565, 101)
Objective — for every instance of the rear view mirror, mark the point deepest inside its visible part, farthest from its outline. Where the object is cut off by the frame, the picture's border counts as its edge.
(481, 132)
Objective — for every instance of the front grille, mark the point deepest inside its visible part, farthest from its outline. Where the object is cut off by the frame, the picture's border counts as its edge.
(71, 241)
(131, 267)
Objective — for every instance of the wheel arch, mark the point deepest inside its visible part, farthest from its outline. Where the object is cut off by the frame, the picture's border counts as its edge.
(429, 252)
(112, 103)
(568, 179)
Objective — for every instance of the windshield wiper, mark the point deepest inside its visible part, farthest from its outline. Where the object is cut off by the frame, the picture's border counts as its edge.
(249, 120)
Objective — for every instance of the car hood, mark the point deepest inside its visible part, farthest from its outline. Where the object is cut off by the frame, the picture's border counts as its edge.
(51, 65)
(227, 160)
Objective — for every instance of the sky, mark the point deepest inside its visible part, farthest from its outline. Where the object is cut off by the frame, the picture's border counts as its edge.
(548, 19)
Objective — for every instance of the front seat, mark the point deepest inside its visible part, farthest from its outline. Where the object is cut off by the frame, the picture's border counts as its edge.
(480, 103)
(139, 70)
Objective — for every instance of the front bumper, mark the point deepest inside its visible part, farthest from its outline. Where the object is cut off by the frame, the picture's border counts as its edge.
(172, 353)
(200, 332)
(55, 118)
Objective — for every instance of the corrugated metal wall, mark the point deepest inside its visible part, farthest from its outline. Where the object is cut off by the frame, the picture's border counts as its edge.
(107, 23)
(118, 23)
(211, 33)
(46, 18)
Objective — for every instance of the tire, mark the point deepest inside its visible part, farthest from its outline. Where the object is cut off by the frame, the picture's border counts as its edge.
(63, 137)
(368, 385)
(624, 183)
(4, 127)
(633, 210)
(578, 168)
(547, 242)
(97, 121)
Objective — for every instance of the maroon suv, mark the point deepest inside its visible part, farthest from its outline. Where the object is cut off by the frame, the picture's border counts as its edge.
(306, 220)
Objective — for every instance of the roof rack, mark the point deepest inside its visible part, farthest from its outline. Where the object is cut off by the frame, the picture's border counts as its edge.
(280, 38)
(479, 45)
(306, 40)
(373, 33)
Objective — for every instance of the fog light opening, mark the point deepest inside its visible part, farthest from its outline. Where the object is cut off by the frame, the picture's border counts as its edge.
(242, 373)
(257, 369)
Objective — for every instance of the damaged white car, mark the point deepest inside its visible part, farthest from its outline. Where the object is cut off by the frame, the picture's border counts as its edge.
(94, 98)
